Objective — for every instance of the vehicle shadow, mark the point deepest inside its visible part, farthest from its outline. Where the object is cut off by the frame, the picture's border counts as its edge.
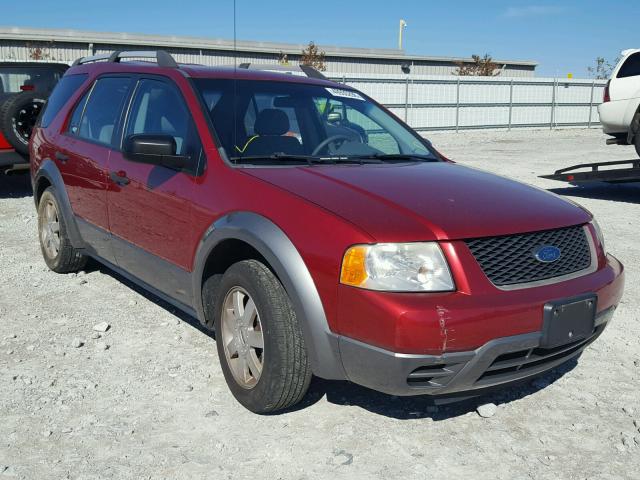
(616, 192)
(421, 407)
(93, 266)
(15, 185)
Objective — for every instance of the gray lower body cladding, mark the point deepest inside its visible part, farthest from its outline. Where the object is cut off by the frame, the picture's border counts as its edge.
(502, 361)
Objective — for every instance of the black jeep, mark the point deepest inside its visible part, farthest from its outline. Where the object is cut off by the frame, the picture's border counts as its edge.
(24, 88)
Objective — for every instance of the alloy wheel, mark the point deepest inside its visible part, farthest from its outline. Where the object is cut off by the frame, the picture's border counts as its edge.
(242, 337)
(50, 229)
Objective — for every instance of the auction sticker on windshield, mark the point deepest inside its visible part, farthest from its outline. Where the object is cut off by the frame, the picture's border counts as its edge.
(337, 92)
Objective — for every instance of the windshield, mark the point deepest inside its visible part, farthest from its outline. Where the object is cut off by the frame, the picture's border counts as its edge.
(281, 122)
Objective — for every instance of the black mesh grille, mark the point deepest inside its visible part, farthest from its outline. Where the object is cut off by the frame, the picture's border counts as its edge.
(510, 260)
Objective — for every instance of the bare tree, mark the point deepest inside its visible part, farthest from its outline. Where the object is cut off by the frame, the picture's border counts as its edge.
(313, 57)
(479, 66)
(283, 58)
(603, 68)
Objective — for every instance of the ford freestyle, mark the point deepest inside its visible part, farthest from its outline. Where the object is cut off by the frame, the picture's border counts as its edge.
(315, 232)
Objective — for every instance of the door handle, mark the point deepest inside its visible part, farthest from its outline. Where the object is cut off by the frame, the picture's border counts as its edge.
(62, 157)
(119, 178)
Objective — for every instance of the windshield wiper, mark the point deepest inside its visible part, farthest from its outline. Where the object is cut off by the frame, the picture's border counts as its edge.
(273, 158)
(286, 159)
(402, 157)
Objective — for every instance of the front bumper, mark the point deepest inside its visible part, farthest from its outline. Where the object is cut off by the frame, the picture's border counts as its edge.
(502, 361)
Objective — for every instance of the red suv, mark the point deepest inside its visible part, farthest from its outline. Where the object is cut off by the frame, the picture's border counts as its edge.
(313, 230)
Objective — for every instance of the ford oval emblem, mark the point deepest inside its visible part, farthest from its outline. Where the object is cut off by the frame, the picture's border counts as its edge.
(547, 253)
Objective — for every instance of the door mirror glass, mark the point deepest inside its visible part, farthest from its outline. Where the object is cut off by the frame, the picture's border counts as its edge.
(155, 150)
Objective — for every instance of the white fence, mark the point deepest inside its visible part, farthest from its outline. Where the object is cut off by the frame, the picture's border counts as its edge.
(459, 103)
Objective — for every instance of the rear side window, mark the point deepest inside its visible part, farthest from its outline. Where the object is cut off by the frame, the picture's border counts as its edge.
(97, 118)
(61, 95)
(631, 67)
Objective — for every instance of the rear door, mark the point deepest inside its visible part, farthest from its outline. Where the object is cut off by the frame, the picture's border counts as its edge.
(84, 154)
(149, 205)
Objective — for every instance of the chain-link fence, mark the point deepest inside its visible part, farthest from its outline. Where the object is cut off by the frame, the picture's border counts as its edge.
(459, 103)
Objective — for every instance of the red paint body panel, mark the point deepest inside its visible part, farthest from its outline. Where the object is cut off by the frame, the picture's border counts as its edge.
(153, 211)
(325, 209)
(85, 177)
(320, 236)
(427, 201)
(4, 144)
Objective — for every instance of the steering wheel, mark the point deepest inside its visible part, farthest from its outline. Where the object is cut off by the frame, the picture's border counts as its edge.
(329, 141)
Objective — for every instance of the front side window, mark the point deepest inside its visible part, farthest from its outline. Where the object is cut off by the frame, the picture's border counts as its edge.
(159, 109)
(631, 67)
(257, 120)
(97, 117)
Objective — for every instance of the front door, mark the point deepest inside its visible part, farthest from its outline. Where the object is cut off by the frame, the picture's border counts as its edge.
(149, 205)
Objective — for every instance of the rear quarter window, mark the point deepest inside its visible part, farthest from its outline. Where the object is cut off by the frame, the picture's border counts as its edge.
(631, 67)
(61, 94)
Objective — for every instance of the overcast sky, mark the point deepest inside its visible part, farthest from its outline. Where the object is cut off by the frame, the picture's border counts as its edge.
(564, 36)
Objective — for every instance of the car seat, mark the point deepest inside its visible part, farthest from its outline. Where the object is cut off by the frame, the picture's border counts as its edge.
(271, 126)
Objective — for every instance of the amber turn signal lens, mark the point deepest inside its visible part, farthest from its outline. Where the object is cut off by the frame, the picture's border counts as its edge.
(353, 266)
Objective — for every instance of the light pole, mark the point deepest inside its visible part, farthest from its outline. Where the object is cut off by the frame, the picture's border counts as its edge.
(403, 25)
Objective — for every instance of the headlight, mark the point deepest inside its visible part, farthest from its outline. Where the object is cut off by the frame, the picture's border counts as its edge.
(397, 267)
(599, 234)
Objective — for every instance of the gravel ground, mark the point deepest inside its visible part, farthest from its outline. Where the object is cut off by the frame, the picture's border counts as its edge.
(146, 398)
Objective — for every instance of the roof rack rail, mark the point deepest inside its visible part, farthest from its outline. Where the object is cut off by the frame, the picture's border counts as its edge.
(290, 69)
(162, 57)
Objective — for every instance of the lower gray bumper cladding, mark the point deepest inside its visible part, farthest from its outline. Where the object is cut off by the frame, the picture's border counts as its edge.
(498, 362)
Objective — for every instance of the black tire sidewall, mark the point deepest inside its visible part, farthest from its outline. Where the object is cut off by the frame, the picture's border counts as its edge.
(262, 397)
(10, 107)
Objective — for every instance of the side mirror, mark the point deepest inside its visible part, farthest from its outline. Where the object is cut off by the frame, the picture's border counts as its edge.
(155, 150)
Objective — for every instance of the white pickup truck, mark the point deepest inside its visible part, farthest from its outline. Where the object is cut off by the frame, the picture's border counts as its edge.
(620, 108)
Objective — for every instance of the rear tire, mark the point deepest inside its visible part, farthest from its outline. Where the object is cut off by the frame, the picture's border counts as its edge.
(57, 251)
(637, 142)
(260, 343)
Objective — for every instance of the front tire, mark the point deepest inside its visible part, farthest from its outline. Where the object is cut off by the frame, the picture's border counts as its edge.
(637, 142)
(57, 251)
(259, 339)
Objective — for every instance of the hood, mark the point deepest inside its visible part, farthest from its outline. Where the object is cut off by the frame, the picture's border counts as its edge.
(426, 201)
